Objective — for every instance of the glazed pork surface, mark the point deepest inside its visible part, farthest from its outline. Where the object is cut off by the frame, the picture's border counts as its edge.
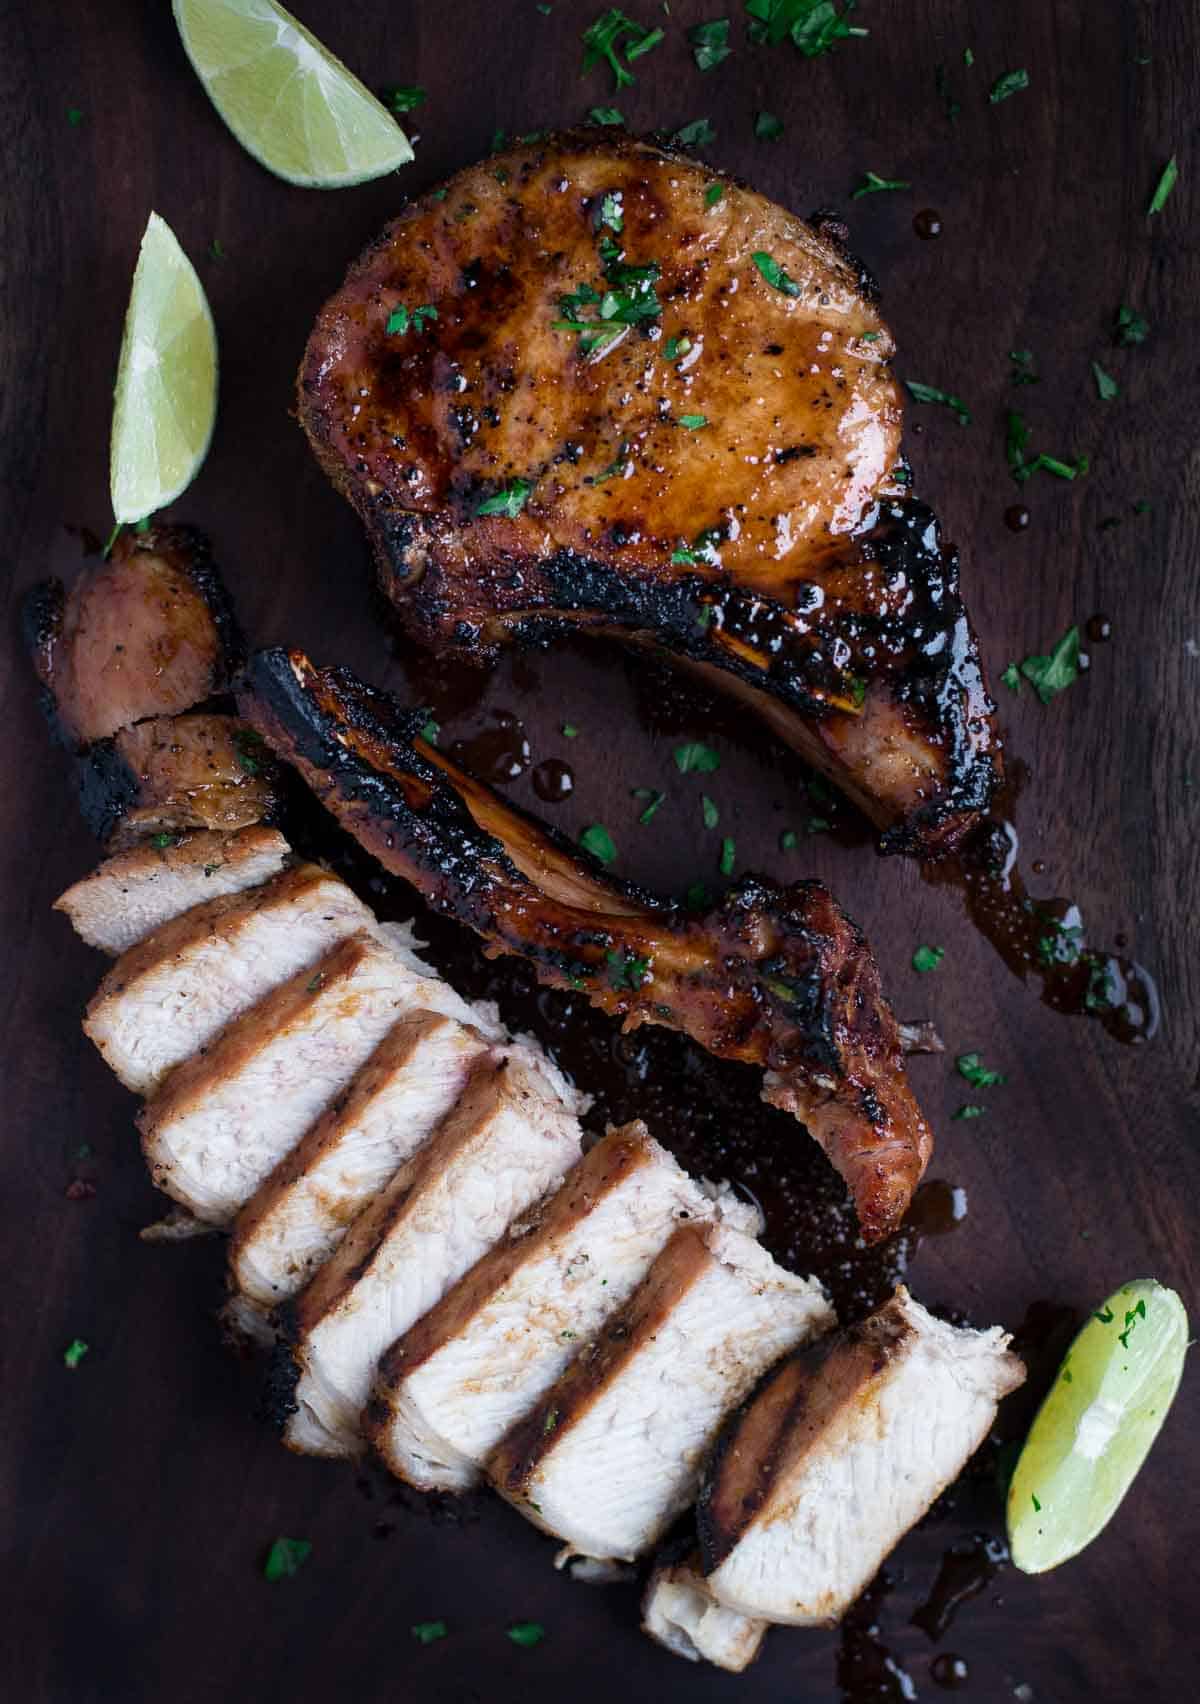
(776, 977)
(592, 384)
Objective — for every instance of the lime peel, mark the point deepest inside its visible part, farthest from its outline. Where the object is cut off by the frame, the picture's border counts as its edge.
(165, 397)
(1097, 1424)
(290, 103)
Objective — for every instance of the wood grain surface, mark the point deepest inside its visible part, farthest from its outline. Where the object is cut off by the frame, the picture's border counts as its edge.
(138, 1493)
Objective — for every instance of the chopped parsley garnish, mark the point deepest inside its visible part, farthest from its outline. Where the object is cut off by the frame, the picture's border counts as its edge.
(815, 26)
(1037, 1507)
(818, 825)
(403, 97)
(693, 422)
(695, 758)
(569, 731)
(285, 1558)
(713, 194)
(1105, 1318)
(703, 548)
(1023, 468)
(928, 958)
(610, 35)
(711, 814)
(1061, 944)
(767, 128)
(618, 465)
(611, 211)
(968, 58)
(401, 319)
(1049, 675)
(1011, 83)
(599, 842)
(969, 1111)
(872, 184)
(788, 840)
(674, 347)
(428, 1632)
(599, 316)
(698, 134)
(1105, 988)
(1130, 327)
(1162, 189)
(1131, 1318)
(216, 249)
(654, 799)
(774, 274)
(315, 983)
(606, 115)
(710, 43)
(508, 501)
(1022, 367)
(528, 1633)
(162, 841)
(728, 852)
(430, 729)
(248, 745)
(929, 393)
(696, 897)
(74, 1352)
(971, 1066)
(628, 971)
(74, 117)
(551, 1420)
(1107, 388)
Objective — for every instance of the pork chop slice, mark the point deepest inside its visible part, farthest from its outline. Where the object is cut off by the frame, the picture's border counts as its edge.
(511, 1137)
(613, 1451)
(226, 1117)
(300, 1213)
(133, 893)
(171, 994)
(679, 1613)
(845, 1446)
(448, 1391)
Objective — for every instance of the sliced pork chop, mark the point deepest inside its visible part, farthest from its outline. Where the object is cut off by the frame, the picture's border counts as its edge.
(449, 1390)
(170, 773)
(171, 994)
(678, 1613)
(300, 1214)
(845, 1446)
(511, 1137)
(226, 1118)
(133, 893)
(613, 1451)
(148, 632)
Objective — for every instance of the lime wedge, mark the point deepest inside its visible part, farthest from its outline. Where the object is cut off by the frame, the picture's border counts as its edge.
(165, 400)
(1096, 1426)
(288, 101)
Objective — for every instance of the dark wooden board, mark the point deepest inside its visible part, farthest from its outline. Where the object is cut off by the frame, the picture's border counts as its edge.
(138, 1493)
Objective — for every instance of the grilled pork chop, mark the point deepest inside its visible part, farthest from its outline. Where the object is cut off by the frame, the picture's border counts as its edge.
(133, 893)
(779, 978)
(613, 1451)
(449, 1389)
(173, 992)
(591, 384)
(678, 1612)
(511, 1136)
(843, 1448)
(299, 1215)
(150, 632)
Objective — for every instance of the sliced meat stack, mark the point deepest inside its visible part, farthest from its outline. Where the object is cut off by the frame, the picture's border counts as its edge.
(679, 1612)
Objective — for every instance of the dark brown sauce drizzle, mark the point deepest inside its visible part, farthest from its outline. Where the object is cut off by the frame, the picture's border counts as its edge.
(1043, 940)
(553, 781)
(950, 1671)
(937, 1208)
(968, 1568)
(867, 1673)
(498, 751)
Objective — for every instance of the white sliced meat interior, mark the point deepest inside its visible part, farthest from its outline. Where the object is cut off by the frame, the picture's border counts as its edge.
(841, 1451)
(613, 1451)
(510, 1138)
(301, 1212)
(130, 895)
(225, 1118)
(172, 993)
(449, 1390)
(678, 1612)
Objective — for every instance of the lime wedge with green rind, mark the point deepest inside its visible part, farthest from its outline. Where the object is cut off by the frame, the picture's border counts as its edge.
(288, 101)
(165, 399)
(1096, 1425)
